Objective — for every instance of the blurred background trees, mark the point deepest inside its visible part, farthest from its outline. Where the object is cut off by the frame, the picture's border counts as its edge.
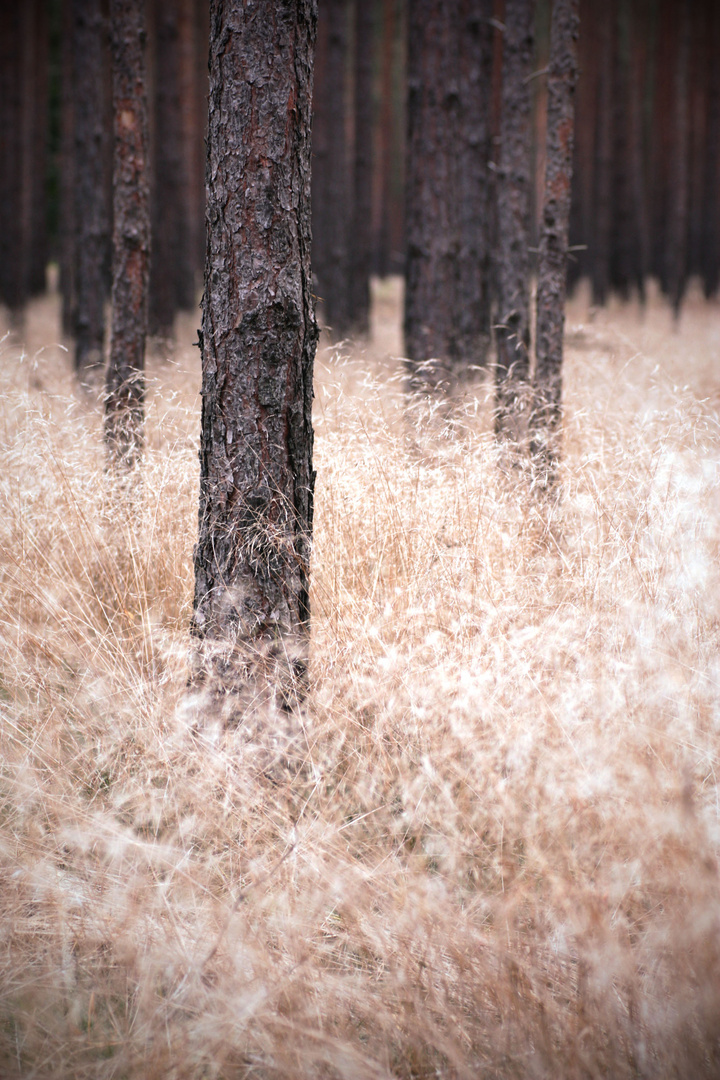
(646, 189)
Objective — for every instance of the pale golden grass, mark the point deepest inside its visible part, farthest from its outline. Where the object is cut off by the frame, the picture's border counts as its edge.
(500, 855)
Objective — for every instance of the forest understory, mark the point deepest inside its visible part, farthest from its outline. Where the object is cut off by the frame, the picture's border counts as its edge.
(485, 846)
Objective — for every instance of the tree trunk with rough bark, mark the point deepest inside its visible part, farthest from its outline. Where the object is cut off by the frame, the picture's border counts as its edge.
(125, 385)
(251, 607)
(360, 250)
(91, 217)
(514, 180)
(552, 262)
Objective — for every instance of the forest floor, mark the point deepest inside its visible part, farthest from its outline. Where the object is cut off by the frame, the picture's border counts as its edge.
(497, 854)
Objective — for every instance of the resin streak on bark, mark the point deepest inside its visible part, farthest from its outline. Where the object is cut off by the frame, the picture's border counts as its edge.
(552, 264)
(131, 236)
(258, 339)
(513, 208)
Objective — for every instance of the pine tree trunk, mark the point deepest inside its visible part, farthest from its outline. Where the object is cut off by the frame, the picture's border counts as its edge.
(191, 129)
(258, 342)
(446, 287)
(603, 158)
(91, 217)
(513, 222)
(12, 290)
(131, 237)
(677, 250)
(472, 176)
(36, 105)
(331, 211)
(67, 174)
(552, 262)
(361, 247)
(170, 288)
(711, 201)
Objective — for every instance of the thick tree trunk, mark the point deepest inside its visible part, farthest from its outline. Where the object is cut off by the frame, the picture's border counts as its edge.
(131, 237)
(552, 263)
(91, 217)
(513, 223)
(361, 247)
(35, 96)
(331, 210)
(446, 191)
(382, 198)
(258, 341)
(474, 202)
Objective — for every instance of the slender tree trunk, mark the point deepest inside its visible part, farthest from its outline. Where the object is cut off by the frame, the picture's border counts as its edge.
(12, 290)
(67, 174)
(331, 209)
(382, 211)
(91, 217)
(361, 246)
(677, 249)
(711, 197)
(131, 237)
(258, 341)
(513, 221)
(603, 157)
(552, 263)
(170, 282)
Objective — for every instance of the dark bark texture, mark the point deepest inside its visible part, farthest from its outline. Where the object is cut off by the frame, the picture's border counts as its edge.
(513, 222)
(446, 303)
(552, 262)
(360, 250)
(131, 236)
(258, 343)
(332, 207)
(91, 216)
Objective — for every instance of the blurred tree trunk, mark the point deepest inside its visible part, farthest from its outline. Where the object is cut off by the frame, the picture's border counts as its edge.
(258, 338)
(604, 156)
(388, 194)
(625, 240)
(331, 209)
(131, 237)
(513, 221)
(360, 250)
(171, 285)
(35, 95)
(552, 262)
(446, 187)
(473, 178)
(12, 290)
(67, 174)
(91, 212)
(677, 249)
(191, 137)
(710, 252)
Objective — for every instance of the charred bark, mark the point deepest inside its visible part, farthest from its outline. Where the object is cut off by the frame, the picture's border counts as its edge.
(258, 339)
(131, 237)
(361, 247)
(513, 222)
(552, 262)
(91, 216)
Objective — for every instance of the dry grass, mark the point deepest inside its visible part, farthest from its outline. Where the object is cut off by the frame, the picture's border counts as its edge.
(500, 857)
